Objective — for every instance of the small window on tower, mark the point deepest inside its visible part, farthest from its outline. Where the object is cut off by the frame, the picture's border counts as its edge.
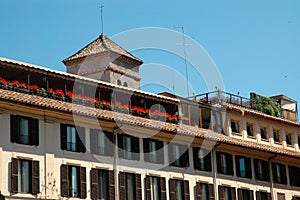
(125, 84)
(119, 82)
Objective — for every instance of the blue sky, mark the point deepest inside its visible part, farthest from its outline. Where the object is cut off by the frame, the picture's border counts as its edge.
(255, 44)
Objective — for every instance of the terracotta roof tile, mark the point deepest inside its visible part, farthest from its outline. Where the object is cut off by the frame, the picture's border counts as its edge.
(32, 100)
(100, 45)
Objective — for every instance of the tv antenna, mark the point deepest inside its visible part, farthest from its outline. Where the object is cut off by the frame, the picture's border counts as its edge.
(185, 61)
(101, 8)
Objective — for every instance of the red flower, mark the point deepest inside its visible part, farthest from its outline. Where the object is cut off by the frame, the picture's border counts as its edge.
(69, 94)
(50, 90)
(34, 87)
(59, 92)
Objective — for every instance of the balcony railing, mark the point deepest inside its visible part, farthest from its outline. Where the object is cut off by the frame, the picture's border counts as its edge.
(220, 96)
(79, 99)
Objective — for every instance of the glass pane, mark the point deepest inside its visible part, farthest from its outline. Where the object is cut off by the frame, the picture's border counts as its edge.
(23, 176)
(242, 167)
(152, 149)
(101, 143)
(179, 190)
(74, 183)
(24, 131)
(130, 187)
(127, 147)
(155, 188)
(176, 154)
(103, 185)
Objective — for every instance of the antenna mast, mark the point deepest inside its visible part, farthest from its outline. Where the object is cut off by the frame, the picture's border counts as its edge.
(185, 61)
(101, 7)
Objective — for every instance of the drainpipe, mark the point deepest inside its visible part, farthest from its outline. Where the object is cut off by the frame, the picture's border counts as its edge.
(214, 169)
(271, 177)
(115, 168)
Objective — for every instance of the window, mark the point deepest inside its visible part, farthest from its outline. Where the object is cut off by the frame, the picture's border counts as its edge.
(263, 195)
(103, 184)
(226, 193)
(125, 84)
(204, 191)
(25, 176)
(263, 133)
(202, 159)
(179, 189)
(101, 142)
(224, 163)
(206, 118)
(155, 188)
(243, 167)
(153, 151)
(119, 82)
(250, 131)
(279, 173)
(294, 176)
(280, 196)
(216, 119)
(73, 181)
(235, 126)
(244, 194)
(130, 186)
(261, 170)
(129, 147)
(276, 136)
(178, 155)
(24, 130)
(288, 139)
(72, 138)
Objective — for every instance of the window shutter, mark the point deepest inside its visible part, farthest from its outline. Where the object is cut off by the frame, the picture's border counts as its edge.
(185, 158)
(198, 191)
(211, 191)
(14, 175)
(230, 164)
(186, 190)
(280, 196)
(256, 169)
(146, 149)
(81, 139)
(35, 177)
(219, 167)
(82, 182)
(163, 191)
(207, 160)
(34, 128)
(64, 181)
(266, 171)
(269, 196)
(172, 189)
(136, 148)
(148, 188)
(14, 128)
(274, 173)
(170, 153)
(94, 181)
(122, 186)
(221, 193)
(138, 187)
(111, 183)
(251, 195)
(63, 136)
(120, 146)
(160, 151)
(109, 143)
(94, 141)
(258, 195)
(240, 194)
(233, 195)
(283, 174)
(196, 158)
(237, 164)
(248, 168)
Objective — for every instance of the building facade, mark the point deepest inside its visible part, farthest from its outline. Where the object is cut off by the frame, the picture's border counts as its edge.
(68, 136)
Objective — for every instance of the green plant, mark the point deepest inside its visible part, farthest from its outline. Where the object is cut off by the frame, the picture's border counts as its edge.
(267, 105)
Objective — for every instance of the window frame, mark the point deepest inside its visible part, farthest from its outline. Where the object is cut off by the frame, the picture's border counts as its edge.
(32, 132)
(235, 126)
(80, 138)
(247, 165)
(263, 132)
(176, 160)
(204, 163)
(158, 153)
(228, 159)
(252, 128)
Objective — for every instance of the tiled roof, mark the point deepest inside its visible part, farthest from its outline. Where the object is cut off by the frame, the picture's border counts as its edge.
(100, 45)
(261, 114)
(52, 104)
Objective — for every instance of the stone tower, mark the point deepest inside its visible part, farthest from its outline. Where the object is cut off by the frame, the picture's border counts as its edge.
(104, 60)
